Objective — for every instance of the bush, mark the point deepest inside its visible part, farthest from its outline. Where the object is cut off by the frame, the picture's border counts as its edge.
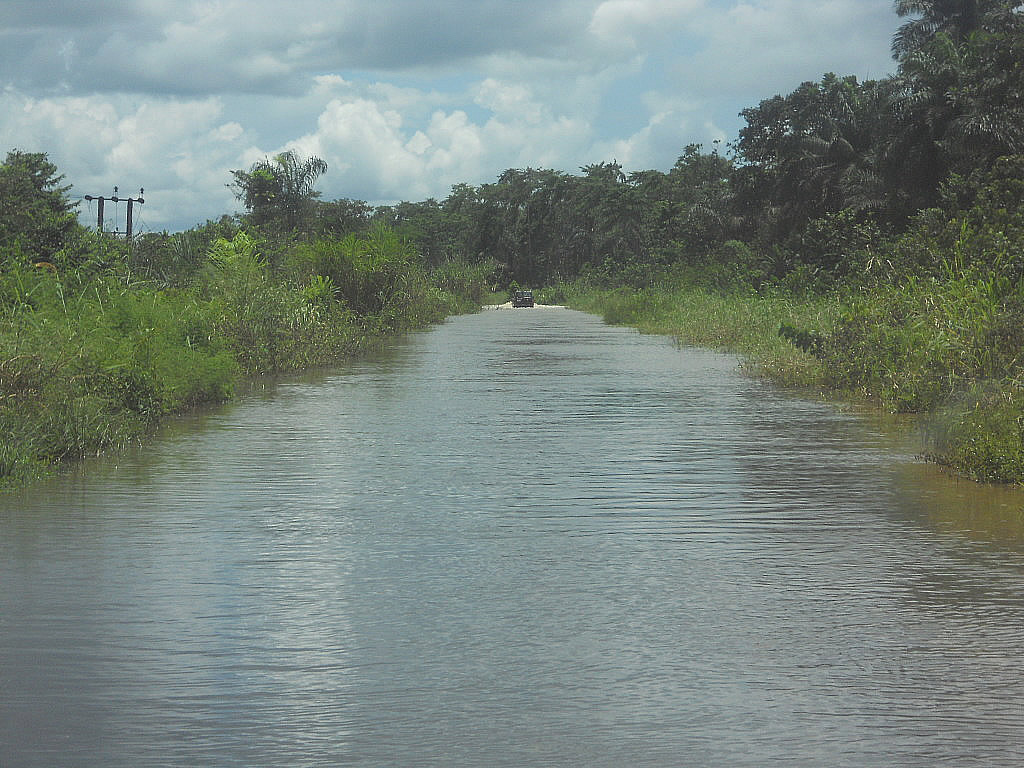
(981, 433)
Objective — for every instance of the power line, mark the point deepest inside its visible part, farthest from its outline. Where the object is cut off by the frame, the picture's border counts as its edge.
(115, 199)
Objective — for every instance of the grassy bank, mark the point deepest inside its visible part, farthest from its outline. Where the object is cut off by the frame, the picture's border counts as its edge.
(945, 347)
(96, 350)
(736, 321)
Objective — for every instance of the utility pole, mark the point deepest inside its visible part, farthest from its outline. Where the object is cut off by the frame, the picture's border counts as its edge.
(115, 199)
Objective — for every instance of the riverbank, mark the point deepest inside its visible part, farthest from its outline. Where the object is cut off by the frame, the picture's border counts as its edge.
(742, 322)
(94, 356)
(941, 350)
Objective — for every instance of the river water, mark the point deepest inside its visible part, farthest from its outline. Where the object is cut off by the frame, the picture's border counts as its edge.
(522, 538)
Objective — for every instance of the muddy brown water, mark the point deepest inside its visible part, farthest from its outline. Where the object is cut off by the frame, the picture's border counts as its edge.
(521, 538)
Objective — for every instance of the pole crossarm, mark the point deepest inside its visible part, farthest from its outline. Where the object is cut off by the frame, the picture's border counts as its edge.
(115, 199)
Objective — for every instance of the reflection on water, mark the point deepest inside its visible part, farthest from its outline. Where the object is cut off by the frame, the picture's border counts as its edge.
(986, 513)
(522, 538)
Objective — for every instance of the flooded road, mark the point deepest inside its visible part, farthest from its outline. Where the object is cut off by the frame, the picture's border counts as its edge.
(522, 538)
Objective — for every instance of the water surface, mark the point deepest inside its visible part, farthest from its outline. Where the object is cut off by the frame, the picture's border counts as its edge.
(522, 538)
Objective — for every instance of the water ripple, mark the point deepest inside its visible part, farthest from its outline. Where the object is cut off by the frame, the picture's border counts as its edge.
(520, 539)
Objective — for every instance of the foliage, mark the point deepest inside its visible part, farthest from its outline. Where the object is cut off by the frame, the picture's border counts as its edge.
(371, 272)
(87, 366)
(840, 247)
(36, 215)
(955, 19)
(958, 108)
(92, 356)
(338, 218)
(809, 155)
(981, 433)
(466, 284)
(279, 193)
(173, 259)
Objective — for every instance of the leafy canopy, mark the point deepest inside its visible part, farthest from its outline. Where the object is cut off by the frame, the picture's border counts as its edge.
(36, 215)
(280, 193)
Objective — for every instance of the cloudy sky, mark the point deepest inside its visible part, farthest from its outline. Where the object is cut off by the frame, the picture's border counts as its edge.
(402, 98)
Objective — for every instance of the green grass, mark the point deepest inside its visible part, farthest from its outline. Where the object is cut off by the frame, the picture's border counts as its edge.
(91, 359)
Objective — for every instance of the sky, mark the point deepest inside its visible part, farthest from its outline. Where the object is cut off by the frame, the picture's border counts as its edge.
(402, 98)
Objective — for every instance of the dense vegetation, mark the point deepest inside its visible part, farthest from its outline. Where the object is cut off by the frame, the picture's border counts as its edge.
(862, 236)
(99, 338)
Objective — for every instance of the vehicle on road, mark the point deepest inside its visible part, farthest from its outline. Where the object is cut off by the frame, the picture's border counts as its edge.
(522, 299)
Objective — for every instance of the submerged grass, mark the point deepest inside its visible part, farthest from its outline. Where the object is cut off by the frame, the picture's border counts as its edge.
(947, 348)
(739, 321)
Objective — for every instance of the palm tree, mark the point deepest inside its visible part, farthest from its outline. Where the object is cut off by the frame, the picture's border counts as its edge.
(957, 107)
(955, 18)
(297, 178)
(281, 189)
(809, 154)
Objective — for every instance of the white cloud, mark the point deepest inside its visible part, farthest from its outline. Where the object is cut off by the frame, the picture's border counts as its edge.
(619, 20)
(763, 47)
(419, 143)
(180, 151)
(512, 101)
(228, 132)
(402, 99)
(368, 147)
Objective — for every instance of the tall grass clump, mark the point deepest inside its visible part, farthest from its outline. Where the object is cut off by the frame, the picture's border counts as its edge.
(980, 432)
(380, 278)
(97, 347)
(915, 344)
(269, 323)
(947, 346)
(940, 332)
(88, 365)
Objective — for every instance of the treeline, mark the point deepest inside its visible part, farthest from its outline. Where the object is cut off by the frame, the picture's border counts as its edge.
(818, 188)
(100, 339)
(819, 181)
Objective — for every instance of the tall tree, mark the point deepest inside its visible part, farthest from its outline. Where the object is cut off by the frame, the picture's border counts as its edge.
(337, 218)
(280, 192)
(36, 214)
(809, 154)
(957, 107)
(701, 195)
(956, 19)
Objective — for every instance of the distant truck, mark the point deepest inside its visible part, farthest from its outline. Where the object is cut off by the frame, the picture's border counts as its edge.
(522, 299)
